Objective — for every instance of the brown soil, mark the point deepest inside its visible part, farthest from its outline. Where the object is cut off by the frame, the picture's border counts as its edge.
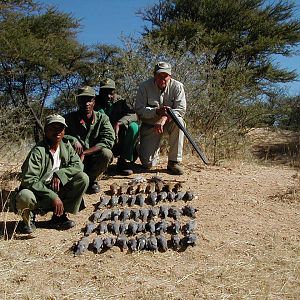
(249, 245)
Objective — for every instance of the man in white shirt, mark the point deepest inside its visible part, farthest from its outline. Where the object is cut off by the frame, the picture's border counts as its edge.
(153, 98)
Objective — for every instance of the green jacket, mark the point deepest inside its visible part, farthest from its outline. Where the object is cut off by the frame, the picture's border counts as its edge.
(118, 111)
(100, 133)
(38, 164)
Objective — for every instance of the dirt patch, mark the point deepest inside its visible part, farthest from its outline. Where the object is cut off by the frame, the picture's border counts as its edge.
(248, 245)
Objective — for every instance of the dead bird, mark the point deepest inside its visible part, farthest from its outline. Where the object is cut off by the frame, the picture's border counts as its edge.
(104, 201)
(150, 188)
(114, 187)
(106, 215)
(115, 214)
(102, 228)
(131, 190)
(156, 179)
(162, 196)
(97, 244)
(174, 212)
(125, 214)
(154, 211)
(189, 227)
(135, 214)
(162, 242)
(168, 187)
(159, 186)
(152, 243)
(171, 196)
(188, 196)
(132, 200)
(161, 226)
(96, 215)
(140, 199)
(179, 196)
(122, 242)
(113, 200)
(123, 188)
(144, 213)
(141, 227)
(177, 187)
(132, 244)
(150, 226)
(141, 242)
(141, 188)
(123, 227)
(109, 242)
(189, 211)
(82, 245)
(175, 241)
(175, 227)
(152, 198)
(132, 228)
(137, 179)
(164, 211)
(190, 239)
(89, 228)
(123, 199)
(116, 228)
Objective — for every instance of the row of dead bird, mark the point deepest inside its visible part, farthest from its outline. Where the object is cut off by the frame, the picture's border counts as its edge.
(155, 184)
(133, 228)
(143, 242)
(144, 213)
(141, 199)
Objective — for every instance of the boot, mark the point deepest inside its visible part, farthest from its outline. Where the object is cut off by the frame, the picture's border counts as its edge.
(29, 222)
(175, 168)
(62, 222)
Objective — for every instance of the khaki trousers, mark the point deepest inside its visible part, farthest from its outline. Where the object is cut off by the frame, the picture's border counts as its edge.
(150, 143)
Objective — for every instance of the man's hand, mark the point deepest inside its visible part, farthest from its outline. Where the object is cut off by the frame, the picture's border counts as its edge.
(162, 111)
(78, 148)
(58, 207)
(117, 128)
(159, 125)
(55, 183)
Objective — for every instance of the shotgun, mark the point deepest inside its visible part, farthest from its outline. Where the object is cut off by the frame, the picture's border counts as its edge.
(187, 134)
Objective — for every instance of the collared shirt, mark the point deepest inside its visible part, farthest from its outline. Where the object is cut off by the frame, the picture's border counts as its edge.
(99, 133)
(149, 97)
(39, 163)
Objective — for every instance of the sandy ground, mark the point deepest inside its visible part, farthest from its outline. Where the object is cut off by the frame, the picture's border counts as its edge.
(248, 248)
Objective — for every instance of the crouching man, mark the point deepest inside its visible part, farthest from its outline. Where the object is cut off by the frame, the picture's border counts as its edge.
(52, 179)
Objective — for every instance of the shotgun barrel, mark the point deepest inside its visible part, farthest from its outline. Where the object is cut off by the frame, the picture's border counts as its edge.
(188, 135)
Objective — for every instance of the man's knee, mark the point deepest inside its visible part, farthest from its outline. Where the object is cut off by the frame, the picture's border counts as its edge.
(106, 155)
(81, 178)
(25, 199)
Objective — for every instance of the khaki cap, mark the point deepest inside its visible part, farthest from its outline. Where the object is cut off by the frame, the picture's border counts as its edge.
(163, 67)
(86, 91)
(55, 118)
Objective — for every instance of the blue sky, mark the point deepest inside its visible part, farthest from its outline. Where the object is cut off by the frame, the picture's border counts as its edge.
(104, 21)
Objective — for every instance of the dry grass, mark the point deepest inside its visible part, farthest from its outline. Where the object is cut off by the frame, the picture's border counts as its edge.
(249, 245)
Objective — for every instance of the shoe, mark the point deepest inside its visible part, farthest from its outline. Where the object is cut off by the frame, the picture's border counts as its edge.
(175, 168)
(123, 168)
(93, 188)
(29, 222)
(62, 222)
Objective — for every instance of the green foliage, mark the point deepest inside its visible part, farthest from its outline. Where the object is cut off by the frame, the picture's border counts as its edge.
(39, 56)
(227, 50)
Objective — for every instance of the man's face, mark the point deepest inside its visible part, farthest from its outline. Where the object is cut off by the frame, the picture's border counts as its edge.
(108, 95)
(55, 132)
(86, 104)
(161, 80)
